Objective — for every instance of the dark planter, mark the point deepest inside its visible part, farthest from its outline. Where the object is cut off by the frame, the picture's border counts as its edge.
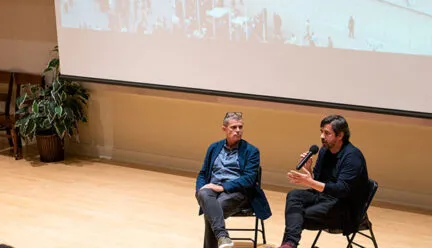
(50, 147)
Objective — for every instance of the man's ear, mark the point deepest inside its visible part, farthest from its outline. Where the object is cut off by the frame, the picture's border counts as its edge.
(224, 128)
(341, 135)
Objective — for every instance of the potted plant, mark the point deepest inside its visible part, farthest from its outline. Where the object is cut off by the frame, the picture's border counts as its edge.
(50, 113)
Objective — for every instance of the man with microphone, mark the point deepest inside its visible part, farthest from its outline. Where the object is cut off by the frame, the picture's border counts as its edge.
(337, 186)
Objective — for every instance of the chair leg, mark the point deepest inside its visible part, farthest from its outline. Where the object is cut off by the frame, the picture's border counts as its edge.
(8, 132)
(18, 138)
(19, 144)
(256, 232)
(316, 239)
(263, 232)
(373, 237)
(350, 240)
(15, 143)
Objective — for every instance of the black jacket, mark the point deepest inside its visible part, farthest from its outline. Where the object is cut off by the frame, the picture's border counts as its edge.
(351, 185)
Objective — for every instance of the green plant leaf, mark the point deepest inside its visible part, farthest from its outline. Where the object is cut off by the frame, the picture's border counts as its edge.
(21, 111)
(22, 121)
(69, 113)
(56, 86)
(54, 63)
(51, 117)
(34, 89)
(46, 124)
(59, 110)
(30, 127)
(60, 128)
(20, 100)
(63, 96)
(35, 107)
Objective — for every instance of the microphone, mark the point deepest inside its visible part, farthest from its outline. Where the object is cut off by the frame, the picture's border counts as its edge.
(312, 151)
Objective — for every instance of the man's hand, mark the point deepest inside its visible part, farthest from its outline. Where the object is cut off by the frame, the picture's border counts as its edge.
(308, 164)
(214, 187)
(305, 180)
(300, 178)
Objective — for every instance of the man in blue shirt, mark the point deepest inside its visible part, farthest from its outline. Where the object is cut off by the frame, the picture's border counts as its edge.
(227, 182)
(337, 186)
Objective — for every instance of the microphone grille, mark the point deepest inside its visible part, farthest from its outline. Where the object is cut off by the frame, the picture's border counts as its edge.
(314, 149)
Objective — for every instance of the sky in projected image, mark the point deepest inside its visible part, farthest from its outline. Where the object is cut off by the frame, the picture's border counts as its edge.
(393, 26)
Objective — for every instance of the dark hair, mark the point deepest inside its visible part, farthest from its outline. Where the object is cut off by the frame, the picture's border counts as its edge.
(339, 124)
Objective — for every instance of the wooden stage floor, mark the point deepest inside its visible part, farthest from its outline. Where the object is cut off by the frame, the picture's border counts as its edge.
(92, 203)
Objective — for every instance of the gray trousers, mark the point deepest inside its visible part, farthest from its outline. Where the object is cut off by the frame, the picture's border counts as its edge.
(216, 208)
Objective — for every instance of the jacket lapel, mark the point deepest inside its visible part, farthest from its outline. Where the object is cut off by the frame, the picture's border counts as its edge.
(215, 153)
(241, 154)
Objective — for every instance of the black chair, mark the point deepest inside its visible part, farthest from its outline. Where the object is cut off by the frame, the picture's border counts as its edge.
(364, 225)
(249, 212)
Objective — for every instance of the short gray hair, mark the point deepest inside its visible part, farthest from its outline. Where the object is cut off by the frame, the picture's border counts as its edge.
(232, 116)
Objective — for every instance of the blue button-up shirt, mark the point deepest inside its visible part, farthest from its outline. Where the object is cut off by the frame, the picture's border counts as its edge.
(226, 166)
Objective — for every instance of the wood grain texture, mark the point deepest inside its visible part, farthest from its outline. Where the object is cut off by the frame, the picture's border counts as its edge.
(92, 203)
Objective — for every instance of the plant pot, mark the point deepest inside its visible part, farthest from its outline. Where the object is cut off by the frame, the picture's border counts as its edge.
(50, 147)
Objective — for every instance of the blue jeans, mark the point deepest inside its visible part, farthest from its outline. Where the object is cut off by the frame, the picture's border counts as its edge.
(216, 208)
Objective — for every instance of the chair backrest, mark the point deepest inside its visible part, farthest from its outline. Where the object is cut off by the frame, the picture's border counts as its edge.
(21, 78)
(258, 180)
(373, 187)
(6, 85)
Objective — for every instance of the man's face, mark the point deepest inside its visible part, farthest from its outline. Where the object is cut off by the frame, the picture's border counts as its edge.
(328, 137)
(233, 130)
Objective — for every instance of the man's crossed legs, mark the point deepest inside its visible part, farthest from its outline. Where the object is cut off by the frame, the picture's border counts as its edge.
(217, 206)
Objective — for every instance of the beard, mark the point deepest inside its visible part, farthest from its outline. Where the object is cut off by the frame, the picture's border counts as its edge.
(327, 145)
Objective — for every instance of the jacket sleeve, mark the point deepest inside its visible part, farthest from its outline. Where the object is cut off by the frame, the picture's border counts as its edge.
(351, 167)
(249, 176)
(201, 178)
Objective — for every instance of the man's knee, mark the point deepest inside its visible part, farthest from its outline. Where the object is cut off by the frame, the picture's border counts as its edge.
(203, 194)
(294, 194)
(231, 204)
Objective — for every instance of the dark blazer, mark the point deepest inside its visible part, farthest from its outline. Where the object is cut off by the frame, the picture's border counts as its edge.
(351, 185)
(249, 161)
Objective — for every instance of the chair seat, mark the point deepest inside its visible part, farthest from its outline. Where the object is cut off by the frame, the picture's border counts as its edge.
(245, 212)
(364, 225)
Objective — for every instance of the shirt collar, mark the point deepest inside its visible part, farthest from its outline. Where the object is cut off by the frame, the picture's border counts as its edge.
(234, 147)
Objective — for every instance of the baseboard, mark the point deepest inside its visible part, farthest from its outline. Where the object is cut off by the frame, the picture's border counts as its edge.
(270, 179)
(404, 198)
(134, 157)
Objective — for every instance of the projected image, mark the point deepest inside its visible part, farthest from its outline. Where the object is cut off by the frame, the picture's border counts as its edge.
(393, 26)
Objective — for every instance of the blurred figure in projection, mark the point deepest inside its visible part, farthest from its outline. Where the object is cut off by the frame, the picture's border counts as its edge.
(227, 182)
(330, 42)
(336, 187)
(104, 5)
(123, 12)
(351, 24)
(277, 22)
(292, 40)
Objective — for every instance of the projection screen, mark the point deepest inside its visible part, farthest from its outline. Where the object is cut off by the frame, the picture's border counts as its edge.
(367, 53)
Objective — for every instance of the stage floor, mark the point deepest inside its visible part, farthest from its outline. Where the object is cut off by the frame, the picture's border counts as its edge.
(93, 203)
